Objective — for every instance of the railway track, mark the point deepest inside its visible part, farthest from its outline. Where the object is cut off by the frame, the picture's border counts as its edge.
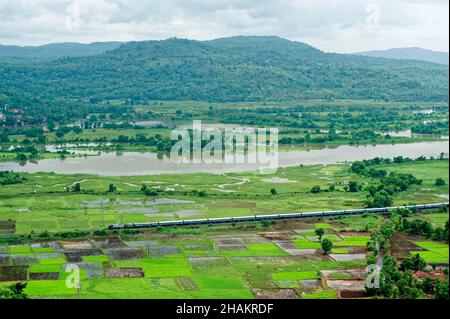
(224, 220)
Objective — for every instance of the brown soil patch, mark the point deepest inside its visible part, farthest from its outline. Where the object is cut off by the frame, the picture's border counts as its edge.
(291, 224)
(199, 262)
(108, 242)
(125, 253)
(161, 250)
(228, 241)
(352, 233)
(186, 284)
(75, 255)
(7, 227)
(74, 245)
(357, 273)
(346, 284)
(275, 294)
(4, 259)
(348, 257)
(19, 260)
(44, 276)
(293, 250)
(239, 240)
(13, 273)
(280, 235)
(48, 244)
(402, 244)
(311, 284)
(124, 273)
(231, 247)
(352, 294)
(357, 250)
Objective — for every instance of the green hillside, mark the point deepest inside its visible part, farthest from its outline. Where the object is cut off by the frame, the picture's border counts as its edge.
(225, 70)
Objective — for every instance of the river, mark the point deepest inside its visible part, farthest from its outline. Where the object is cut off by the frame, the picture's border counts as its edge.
(133, 163)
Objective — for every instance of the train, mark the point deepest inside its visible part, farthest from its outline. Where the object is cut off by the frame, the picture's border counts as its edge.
(223, 220)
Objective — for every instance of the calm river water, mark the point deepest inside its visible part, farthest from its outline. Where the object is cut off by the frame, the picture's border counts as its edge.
(133, 163)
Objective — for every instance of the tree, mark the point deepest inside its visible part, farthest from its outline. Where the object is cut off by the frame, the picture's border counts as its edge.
(439, 182)
(76, 187)
(353, 187)
(59, 133)
(326, 245)
(273, 191)
(319, 233)
(413, 263)
(380, 199)
(390, 274)
(409, 286)
(21, 157)
(442, 290)
(112, 188)
(315, 189)
(15, 291)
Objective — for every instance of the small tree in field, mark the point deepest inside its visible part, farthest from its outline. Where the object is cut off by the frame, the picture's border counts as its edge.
(315, 189)
(319, 233)
(112, 188)
(76, 188)
(327, 245)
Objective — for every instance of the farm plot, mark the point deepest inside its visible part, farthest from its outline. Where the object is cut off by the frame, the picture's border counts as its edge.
(434, 252)
(241, 263)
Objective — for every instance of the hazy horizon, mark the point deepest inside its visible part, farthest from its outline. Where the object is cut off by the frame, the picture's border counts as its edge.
(342, 26)
(143, 40)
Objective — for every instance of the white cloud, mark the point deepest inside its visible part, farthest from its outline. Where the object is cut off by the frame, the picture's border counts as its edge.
(331, 25)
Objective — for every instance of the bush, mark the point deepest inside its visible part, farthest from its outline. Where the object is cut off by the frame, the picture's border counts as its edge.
(315, 189)
(439, 182)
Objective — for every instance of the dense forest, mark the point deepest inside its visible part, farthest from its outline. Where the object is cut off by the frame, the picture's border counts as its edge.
(223, 70)
(54, 50)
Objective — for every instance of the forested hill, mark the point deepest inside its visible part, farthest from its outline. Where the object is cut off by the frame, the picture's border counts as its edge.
(231, 69)
(56, 50)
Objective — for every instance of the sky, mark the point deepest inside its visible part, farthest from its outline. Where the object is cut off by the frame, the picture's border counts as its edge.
(330, 25)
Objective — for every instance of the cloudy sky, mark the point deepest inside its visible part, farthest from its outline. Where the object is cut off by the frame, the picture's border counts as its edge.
(330, 25)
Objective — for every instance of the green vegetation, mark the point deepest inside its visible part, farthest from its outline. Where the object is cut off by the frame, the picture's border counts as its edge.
(326, 246)
(179, 61)
(316, 100)
(15, 291)
(400, 280)
(67, 203)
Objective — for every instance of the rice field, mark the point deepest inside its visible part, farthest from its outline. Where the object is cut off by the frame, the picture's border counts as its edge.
(217, 263)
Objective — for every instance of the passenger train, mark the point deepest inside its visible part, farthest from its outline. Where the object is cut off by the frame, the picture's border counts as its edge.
(223, 220)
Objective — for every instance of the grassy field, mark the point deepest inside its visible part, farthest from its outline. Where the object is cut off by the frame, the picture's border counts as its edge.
(434, 252)
(43, 202)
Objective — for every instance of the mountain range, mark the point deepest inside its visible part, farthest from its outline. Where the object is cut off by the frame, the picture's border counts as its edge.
(418, 54)
(222, 70)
